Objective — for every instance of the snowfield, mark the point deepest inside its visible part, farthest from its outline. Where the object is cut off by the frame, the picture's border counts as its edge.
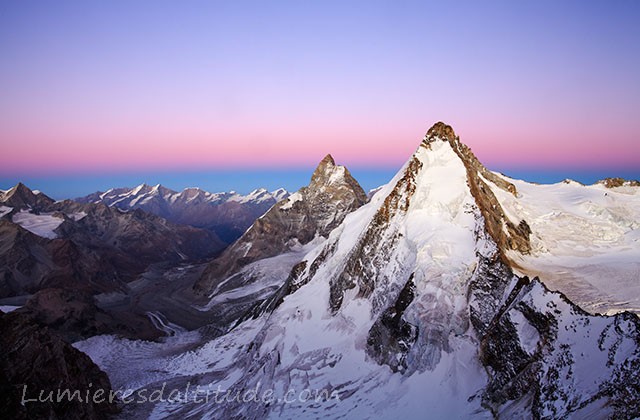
(585, 240)
(39, 224)
(472, 341)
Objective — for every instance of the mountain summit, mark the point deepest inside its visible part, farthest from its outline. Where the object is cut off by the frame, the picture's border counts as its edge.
(419, 301)
(324, 170)
(22, 197)
(441, 131)
(508, 234)
(420, 283)
(313, 211)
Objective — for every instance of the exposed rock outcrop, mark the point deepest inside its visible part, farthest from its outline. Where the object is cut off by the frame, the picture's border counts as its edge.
(90, 249)
(312, 211)
(74, 315)
(508, 234)
(619, 182)
(391, 336)
(34, 362)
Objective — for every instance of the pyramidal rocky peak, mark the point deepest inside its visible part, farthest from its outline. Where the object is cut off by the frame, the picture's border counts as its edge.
(420, 282)
(324, 170)
(20, 197)
(329, 175)
(313, 211)
(414, 302)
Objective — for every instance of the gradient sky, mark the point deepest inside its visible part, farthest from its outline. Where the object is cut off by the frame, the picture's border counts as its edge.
(121, 91)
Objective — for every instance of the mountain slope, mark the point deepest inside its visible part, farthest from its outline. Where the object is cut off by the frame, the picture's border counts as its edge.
(584, 241)
(95, 235)
(20, 196)
(57, 255)
(226, 214)
(29, 262)
(34, 361)
(410, 306)
(311, 212)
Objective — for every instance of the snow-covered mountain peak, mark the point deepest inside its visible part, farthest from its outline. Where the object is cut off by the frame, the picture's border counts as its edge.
(452, 167)
(411, 298)
(280, 194)
(139, 189)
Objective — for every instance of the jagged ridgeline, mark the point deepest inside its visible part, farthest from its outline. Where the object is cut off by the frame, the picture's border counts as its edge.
(312, 211)
(414, 304)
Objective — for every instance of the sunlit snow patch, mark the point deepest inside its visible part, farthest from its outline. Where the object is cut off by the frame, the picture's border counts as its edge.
(39, 224)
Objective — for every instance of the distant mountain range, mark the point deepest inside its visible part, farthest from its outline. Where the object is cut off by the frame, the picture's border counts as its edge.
(83, 249)
(452, 290)
(228, 214)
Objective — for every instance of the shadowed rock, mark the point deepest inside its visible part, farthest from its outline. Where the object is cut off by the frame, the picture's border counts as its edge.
(312, 211)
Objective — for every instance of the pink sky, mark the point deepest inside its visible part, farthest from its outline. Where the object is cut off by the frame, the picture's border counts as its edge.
(88, 87)
(79, 147)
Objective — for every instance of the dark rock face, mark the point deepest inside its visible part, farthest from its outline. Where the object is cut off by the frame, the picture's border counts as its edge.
(313, 210)
(554, 374)
(540, 350)
(74, 315)
(21, 196)
(488, 290)
(391, 337)
(29, 263)
(34, 357)
(372, 248)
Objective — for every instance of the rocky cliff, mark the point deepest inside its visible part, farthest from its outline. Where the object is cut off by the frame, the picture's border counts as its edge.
(311, 212)
(35, 364)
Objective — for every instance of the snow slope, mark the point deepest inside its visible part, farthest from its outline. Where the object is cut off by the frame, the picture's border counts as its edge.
(585, 241)
(406, 310)
(40, 224)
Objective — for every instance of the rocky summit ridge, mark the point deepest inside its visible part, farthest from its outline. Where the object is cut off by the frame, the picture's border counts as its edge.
(414, 298)
(416, 301)
(313, 211)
